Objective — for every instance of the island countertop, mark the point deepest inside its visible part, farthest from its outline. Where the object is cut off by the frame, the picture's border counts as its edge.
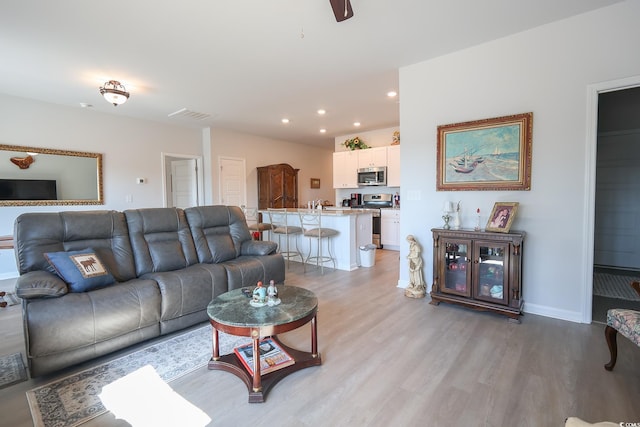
(328, 211)
(353, 226)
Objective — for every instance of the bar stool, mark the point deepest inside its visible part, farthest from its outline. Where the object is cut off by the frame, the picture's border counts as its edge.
(253, 222)
(279, 227)
(311, 221)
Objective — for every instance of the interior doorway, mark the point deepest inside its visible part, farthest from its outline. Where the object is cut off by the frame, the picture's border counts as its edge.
(182, 180)
(616, 230)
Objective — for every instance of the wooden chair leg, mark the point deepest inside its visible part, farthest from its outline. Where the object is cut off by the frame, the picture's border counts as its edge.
(611, 334)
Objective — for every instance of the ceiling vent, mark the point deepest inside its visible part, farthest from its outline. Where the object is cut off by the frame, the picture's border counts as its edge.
(188, 114)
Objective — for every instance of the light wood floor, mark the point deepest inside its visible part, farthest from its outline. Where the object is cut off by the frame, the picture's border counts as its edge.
(389, 360)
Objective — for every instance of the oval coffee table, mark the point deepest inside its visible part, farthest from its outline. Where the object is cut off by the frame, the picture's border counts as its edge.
(231, 313)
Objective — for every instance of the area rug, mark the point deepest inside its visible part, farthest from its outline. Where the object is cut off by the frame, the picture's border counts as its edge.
(73, 400)
(12, 370)
(614, 286)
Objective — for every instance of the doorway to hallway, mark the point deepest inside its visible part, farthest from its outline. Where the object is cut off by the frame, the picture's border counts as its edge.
(182, 180)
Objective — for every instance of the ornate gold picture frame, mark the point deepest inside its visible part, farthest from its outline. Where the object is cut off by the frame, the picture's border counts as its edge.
(489, 154)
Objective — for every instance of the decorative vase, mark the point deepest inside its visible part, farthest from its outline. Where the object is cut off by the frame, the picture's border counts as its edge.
(455, 220)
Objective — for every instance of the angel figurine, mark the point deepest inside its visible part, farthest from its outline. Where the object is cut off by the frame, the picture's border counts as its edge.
(272, 294)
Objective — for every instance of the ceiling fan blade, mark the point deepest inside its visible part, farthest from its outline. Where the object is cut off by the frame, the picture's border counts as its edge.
(341, 9)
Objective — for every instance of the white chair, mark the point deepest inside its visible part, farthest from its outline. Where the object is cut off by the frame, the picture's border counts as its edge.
(280, 227)
(311, 221)
(252, 217)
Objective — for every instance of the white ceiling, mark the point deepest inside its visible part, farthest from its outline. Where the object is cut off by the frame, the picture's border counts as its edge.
(245, 62)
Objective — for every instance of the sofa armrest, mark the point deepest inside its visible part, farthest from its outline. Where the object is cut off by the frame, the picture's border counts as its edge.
(257, 247)
(40, 284)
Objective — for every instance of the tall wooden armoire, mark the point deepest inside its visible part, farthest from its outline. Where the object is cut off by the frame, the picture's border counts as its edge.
(277, 186)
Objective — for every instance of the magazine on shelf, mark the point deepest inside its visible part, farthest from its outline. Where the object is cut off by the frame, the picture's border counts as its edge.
(272, 356)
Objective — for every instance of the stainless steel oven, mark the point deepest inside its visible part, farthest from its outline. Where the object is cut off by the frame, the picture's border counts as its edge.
(375, 202)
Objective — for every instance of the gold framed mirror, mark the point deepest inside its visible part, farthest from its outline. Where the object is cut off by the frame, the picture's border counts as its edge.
(31, 176)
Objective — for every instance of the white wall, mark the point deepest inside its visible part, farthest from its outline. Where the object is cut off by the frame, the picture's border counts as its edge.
(373, 138)
(131, 148)
(313, 162)
(547, 70)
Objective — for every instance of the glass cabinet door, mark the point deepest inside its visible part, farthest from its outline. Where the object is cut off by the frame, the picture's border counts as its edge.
(457, 268)
(491, 277)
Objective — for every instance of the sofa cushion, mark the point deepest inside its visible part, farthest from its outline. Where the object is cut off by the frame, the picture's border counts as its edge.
(218, 232)
(188, 291)
(81, 270)
(248, 270)
(86, 319)
(161, 239)
(256, 247)
(40, 284)
(36, 233)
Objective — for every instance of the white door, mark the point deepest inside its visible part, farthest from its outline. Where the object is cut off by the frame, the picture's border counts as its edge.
(233, 181)
(184, 183)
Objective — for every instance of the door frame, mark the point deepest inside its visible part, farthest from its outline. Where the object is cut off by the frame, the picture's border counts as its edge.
(593, 91)
(166, 160)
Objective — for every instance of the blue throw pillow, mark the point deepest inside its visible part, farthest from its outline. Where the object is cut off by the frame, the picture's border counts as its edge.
(82, 270)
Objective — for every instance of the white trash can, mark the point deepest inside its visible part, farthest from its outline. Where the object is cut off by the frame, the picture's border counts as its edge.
(368, 255)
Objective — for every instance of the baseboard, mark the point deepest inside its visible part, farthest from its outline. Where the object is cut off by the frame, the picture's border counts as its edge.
(403, 284)
(543, 310)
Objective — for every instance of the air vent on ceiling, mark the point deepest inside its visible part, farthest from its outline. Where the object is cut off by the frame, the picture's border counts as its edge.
(186, 113)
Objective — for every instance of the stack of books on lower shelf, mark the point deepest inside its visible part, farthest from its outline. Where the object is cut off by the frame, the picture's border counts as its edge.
(272, 356)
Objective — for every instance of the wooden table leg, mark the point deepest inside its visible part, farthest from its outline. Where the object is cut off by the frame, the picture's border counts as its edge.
(216, 346)
(314, 337)
(257, 383)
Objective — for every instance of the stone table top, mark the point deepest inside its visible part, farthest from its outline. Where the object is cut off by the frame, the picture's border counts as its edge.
(233, 309)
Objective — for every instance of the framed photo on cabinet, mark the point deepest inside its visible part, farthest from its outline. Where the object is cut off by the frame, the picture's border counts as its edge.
(502, 217)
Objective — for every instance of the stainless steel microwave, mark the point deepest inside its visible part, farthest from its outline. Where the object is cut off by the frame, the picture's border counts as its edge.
(372, 176)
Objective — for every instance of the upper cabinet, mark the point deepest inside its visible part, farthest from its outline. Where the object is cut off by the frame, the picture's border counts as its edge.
(347, 163)
(345, 166)
(393, 166)
(372, 157)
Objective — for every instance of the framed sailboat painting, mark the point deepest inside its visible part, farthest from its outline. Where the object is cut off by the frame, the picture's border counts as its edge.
(488, 154)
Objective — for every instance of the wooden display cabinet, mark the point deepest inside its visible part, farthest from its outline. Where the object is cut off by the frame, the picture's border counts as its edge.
(479, 270)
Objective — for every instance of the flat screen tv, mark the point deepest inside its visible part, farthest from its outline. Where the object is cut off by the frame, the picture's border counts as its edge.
(28, 189)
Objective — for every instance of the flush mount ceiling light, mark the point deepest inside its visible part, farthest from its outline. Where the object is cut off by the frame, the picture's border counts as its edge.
(114, 92)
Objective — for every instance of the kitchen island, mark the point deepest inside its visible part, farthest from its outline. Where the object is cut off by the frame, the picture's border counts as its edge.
(354, 230)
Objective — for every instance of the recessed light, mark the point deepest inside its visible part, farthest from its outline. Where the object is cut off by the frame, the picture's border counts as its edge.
(323, 131)
(285, 121)
(322, 112)
(85, 105)
(356, 124)
(392, 94)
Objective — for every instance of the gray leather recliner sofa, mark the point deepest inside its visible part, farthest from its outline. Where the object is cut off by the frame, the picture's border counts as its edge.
(168, 264)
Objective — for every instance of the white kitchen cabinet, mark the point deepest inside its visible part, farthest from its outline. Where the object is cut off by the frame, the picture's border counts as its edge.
(372, 157)
(345, 169)
(390, 228)
(393, 166)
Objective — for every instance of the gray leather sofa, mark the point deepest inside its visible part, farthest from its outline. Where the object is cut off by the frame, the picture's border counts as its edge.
(167, 264)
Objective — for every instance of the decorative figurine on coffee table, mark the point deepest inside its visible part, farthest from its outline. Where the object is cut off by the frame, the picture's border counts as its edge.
(259, 298)
(272, 294)
(416, 288)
